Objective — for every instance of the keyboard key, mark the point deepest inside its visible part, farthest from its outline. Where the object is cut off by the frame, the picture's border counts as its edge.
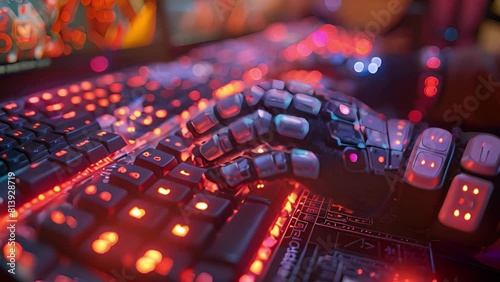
(21, 135)
(355, 160)
(132, 177)
(65, 227)
(14, 159)
(7, 142)
(189, 233)
(108, 247)
(158, 263)
(53, 142)
(39, 129)
(482, 155)
(210, 208)
(92, 151)
(236, 245)
(143, 215)
(157, 161)
(175, 146)
(113, 142)
(169, 193)
(3, 128)
(465, 203)
(72, 161)
(187, 174)
(272, 193)
(34, 258)
(69, 119)
(436, 139)
(340, 133)
(35, 151)
(101, 199)
(40, 177)
(425, 170)
(14, 122)
(77, 132)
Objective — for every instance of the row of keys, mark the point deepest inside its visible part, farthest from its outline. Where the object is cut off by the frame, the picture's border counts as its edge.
(300, 162)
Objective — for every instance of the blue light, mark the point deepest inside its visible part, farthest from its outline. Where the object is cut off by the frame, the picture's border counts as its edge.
(377, 61)
(372, 68)
(359, 66)
(451, 34)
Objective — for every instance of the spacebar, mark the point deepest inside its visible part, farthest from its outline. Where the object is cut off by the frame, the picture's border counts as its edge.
(242, 235)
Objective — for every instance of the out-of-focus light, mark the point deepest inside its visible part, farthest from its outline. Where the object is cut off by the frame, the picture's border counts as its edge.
(353, 157)
(451, 34)
(359, 66)
(430, 91)
(377, 61)
(431, 81)
(433, 63)
(333, 5)
(415, 116)
(320, 38)
(99, 63)
(372, 68)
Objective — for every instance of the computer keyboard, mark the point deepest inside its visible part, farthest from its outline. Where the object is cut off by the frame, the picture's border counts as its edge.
(143, 176)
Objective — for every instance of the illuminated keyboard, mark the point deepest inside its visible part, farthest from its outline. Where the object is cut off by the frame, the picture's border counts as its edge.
(177, 172)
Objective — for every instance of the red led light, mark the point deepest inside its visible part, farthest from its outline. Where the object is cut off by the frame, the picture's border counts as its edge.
(415, 116)
(430, 91)
(433, 63)
(99, 63)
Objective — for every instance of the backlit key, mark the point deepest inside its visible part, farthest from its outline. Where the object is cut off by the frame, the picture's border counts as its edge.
(65, 227)
(156, 263)
(175, 146)
(92, 151)
(210, 208)
(465, 203)
(144, 215)
(187, 174)
(100, 198)
(132, 177)
(107, 248)
(157, 161)
(169, 193)
(482, 155)
(190, 233)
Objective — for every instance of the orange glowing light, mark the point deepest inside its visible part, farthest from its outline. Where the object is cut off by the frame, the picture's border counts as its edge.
(55, 107)
(86, 85)
(456, 213)
(161, 113)
(440, 140)
(74, 88)
(467, 216)
(185, 115)
(229, 89)
(47, 96)
(109, 236)
(90, 107)
(185, 173)
(465, 188)
(145, 265)
(157, 131)
(115, 98)
(257, 267)
(137, 212)
(57, 217)
(275, 231)
(69, 115)
(62, 92)
(255, 74)
(89, 96)
(202, 105)
(201, 206)
(381, 159)
(103, 102)
(163, 191)
(105, 196)
(180, 230)
(90, 190)
(264, 253)
(18, 250)
(475, 191)
(41, 197)
(433, 164)
(57, 189)
(71, 222)
(101, 246)
(75, 100)
(288, 207)
(397, 142)
(194, 95)
(34, 100)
